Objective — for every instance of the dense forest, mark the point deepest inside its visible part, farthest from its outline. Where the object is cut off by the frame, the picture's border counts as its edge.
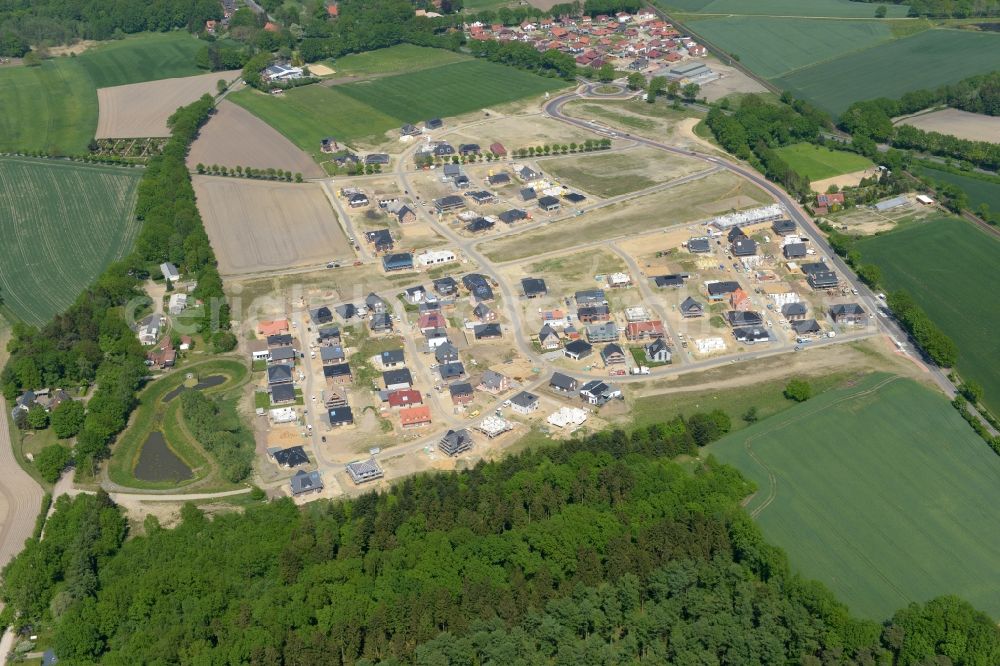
(32, 22)
(596, 551)
(92, 342)
(757, 127)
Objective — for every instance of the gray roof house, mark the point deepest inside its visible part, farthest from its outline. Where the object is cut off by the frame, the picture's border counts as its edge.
(657, 351)
(363, 471)
(279, 374)
(563, 383)
(455, 442)
(524, 402)
(691, 308)
(603, 332)
(446, 353)
(578, 349)
(306, 482)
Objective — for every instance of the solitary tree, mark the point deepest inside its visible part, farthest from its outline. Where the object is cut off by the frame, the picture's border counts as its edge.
(798, 390)
(221, 86)
(880, 11)
(606, 74)
(690, 92)
(635, 81)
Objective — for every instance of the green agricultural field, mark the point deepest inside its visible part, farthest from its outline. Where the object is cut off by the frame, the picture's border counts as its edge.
(62, 223)
(146, 57)
(775, 46)
(880, 491)
(979, 190)
(817, 163)
(52, 108)
(395, 60)
(366, 110)
(949, 267)
(456, 89)
(925, 60)
(831, 8)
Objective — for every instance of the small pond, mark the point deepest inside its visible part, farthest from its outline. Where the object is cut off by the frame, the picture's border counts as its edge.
(207, 382)
(158, 463)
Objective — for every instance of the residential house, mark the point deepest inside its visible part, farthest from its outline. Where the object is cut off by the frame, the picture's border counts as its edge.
(363, 471)
(258, 350)
(675, 280)
(657, 351)
(533, 287)
(293, 456)
(337, 373)
(357, 200)
(524, 403)
(483, 197)
(577, 349)
(455, 442)
(793, 311)
(432, 320)
(402, 261)
(149, 329)
(469, 149)
(744, 247)
(380, 240)
(593, 313)
(435, 337)
(599, 393)
(415, 417)
(784, 228)
(331, 354)
(513, 215)
(392, 358)
(479, 287)
(548, 338)
(604, 332)
(751, 336)
(405, 398)
(850, 314)
(821, 278)
(328, 335)
(479, 225)
(163, 356)
(283, 355)
(279, 374)
(461, 393)
(563, 383)
(303, 483)
(590, 297)
(381, 322)
(699, 245)
(446, 353)
(450, 371)
(449, 203)
(612, 354)
(794, 250)
(376, 304)
(433, 124)
(434, 257)
(829, 200)
(282, 394)
(806, 327)
(691, 308)
(527, 174)
(177, 303)
(396, 380)
(170, 272)
(740, 300)
(340, 416)
(742, 318)
(484, 314)
(414, 295)
(487, 331)
(644, 330)
(346, 311)
(718, 291)
(404, 214)
(574, 197)
(549, 204)
(410, 130)
(377, 158)
(446, 286)
(493, 382)
(527, 193)
(272, 327)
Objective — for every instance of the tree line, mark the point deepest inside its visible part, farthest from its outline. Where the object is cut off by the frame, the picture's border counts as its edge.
(757, 127)
(946, 8)
(25, 24)
(595, 550)
(92, 342)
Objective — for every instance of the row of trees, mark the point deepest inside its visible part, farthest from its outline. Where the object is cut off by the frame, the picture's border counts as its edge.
(938, 346)
(946, 8)
(593, 549)
(563, 148)
(983, 154)
(25, 24)
(249, 172)
(92, 342)
(525, 56)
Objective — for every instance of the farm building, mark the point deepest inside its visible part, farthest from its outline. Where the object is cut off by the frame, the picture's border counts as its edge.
(170, 272)
(889, 204)
(694, 72)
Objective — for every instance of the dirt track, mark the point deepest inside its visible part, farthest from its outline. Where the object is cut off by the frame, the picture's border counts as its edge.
(235, 137)
(141, 109)
(261, 225)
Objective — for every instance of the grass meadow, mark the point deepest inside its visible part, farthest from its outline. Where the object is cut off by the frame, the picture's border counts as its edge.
(53, 107)
(398, 59)
(925, 60)
(829, 8)
(949, 267)
(366, 110)
(817, 163)
(62, 223)
(979, 190)
(881, 491)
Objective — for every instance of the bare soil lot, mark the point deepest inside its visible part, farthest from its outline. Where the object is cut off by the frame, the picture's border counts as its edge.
(519, 132)
(689, 202)
(259, 225)
(612, 174)
(963, 124)
(732, 81)
(141, 110)
(235, 137)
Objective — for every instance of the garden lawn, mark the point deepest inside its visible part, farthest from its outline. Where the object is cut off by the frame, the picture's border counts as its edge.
(816, 162)
(775, 46)
(831, 8)
(395, 60)
(925, 60)
(50, 108)
(62, 224)
(880, 491)
(950, 268)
